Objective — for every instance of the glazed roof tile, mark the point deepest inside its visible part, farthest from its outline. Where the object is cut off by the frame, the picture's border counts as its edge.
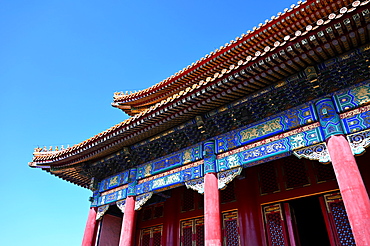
(121, 134)
(169, 82)
(247, 42)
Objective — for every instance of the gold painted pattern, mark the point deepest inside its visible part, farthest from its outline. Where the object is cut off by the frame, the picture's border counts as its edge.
(195, 164)
(266, 128)
(269, 140)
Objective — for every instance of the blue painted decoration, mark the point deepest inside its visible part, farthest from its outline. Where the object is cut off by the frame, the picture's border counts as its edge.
(328, 117)
(115, 181)
(209, 157)
(168, 162)
(110, 197)
(170, 178)
(356, 120)
(249, 155)
(285, 121)
(353, 98)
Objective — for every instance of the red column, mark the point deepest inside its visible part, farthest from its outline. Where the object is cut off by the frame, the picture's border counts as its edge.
(171, 223)
(212, 220)
(352, 188)
(89, 234)
(128, 223)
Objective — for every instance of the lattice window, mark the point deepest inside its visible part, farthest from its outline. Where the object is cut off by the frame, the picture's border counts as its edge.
(295, 172)
(157, 236)
(231, 228)
(200, 201)
(151, 236)
(199, 232)
(228, 194)
(268, 178)
(147, 214)
(187, 200)
(158, 211)
(145, 240)
(339, 216)
(187, 233)
(192, 232)
(324, 172)
(275, 225)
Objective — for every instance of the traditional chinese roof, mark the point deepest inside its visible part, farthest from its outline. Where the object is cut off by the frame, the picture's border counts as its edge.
(281, 28)
(304, 35)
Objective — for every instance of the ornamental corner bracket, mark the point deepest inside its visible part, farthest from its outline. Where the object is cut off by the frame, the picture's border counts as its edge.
(101, 211)
(224, 178)
(142, 199)
(318, 152)
(196, 184)
(359, 141)
(227, 176)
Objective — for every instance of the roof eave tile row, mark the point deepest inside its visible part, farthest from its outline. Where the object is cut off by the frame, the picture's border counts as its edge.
(215, 56)
(121, 97)
(41, 158)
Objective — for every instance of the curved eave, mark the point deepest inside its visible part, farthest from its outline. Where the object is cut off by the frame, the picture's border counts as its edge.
(277, 27)
(212, 93)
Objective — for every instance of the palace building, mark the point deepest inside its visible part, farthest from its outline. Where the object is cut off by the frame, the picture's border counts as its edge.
(260, 142)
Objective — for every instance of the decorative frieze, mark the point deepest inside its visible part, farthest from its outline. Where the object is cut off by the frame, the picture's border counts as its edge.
(270, 147)
(174, 160)
(350, 99)
(285, 121)
(356, 120)
(169, 178)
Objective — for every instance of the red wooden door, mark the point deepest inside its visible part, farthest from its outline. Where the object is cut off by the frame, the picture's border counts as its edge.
(231, 228)
(338, 220)
(276, 228)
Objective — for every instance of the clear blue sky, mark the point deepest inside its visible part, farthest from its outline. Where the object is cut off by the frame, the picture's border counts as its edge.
(61, 62)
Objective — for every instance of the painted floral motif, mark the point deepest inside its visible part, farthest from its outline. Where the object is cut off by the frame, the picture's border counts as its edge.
(233, 161)
(297, 141)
